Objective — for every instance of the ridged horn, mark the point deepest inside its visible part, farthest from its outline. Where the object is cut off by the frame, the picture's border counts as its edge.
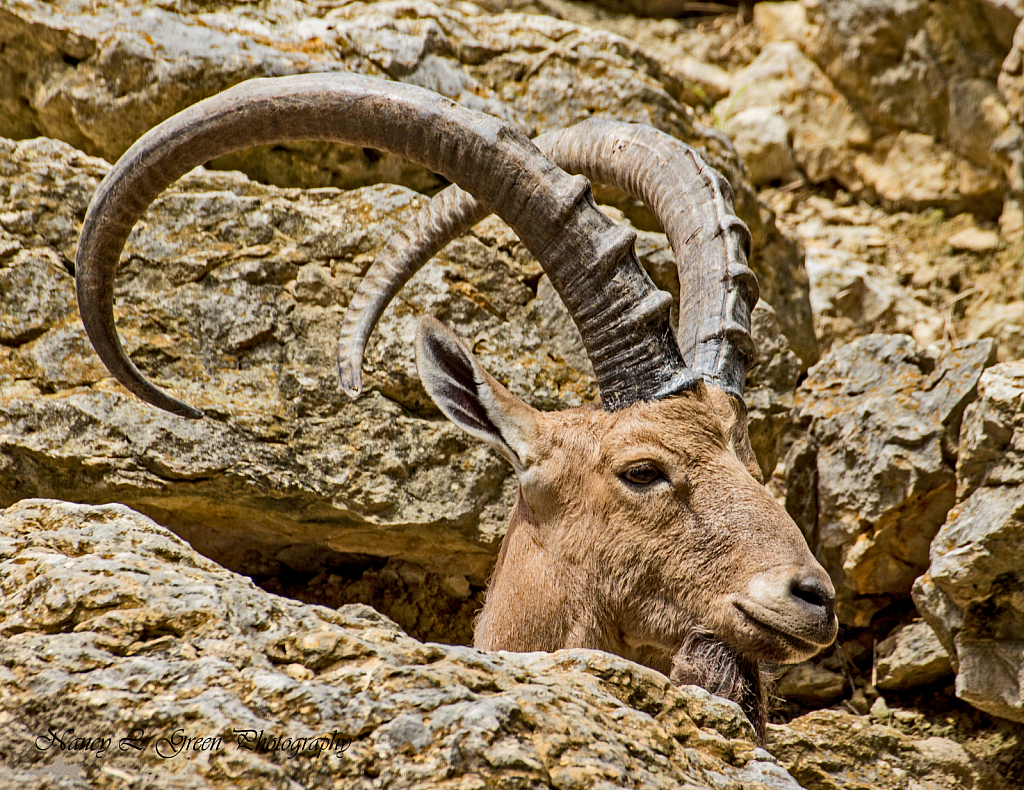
(622, 317)
(693, 202)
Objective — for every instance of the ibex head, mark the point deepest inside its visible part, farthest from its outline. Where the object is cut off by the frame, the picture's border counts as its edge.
(641, 527)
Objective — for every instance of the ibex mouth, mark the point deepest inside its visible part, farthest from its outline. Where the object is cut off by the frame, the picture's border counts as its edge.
(787, 633)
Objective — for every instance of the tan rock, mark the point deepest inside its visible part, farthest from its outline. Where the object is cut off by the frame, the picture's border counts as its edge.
(1011, 221)
(811, 685)
(975, 240)
(872, 484)
(1011, 77)
(992, 437)
(911, 171)
(713, 81)
(834, 750)
(969, 597)
(920, 72)
(825, 131)
(770, 386)
(782, 21)
(761, 138)
(910, 656)
(112, 627)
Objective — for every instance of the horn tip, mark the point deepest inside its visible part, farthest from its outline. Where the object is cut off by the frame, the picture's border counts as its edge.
(190, 412)
(351, 378)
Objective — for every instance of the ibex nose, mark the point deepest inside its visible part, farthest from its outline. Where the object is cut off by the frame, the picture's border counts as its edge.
(813, 590)
(796, 602)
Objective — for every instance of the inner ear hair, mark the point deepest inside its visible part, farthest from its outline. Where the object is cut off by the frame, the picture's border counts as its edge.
(458, 389)
(469, 396)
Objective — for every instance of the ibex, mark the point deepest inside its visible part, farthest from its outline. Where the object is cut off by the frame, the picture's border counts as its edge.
(641, 527)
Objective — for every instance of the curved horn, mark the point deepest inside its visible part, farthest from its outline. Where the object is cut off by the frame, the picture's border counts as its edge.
(622, 317)
(692, 201)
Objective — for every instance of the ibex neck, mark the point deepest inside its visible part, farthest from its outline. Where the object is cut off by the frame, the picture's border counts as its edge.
(530, 602)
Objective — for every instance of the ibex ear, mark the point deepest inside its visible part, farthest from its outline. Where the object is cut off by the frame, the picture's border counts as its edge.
(472, 398)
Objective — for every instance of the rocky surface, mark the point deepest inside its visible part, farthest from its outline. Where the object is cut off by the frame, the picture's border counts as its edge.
(910, 656)
(811, 685)
(923, 76)
(152, 666)
(99, 76)
(232, 295)
(865, 165)
(833, 750)
(113, 628)
(971, 594)
(871, 480)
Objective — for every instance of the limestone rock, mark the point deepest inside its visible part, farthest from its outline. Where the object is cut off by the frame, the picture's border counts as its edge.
(1011, 77)
(762, 139)
(897, 163)
(770, 386)
(232, 296)
(113, 628)
(911, 171)
(894, 163)
(992, 439)
(899, 63)
(971, 593)
(781, 21)
(975, 240)
(851, 296)
(910, 656)
(811, 685)
(882, 419)
(825, 131)
(920, 72)
(834, 750)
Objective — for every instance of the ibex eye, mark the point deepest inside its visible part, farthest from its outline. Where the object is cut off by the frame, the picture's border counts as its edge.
(642, 474)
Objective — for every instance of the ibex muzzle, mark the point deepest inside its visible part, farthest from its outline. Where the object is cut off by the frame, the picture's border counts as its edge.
(641, 527)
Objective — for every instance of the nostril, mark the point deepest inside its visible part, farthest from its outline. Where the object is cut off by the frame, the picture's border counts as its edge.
(813, 591)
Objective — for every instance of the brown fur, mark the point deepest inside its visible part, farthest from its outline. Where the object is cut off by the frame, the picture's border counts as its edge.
(649, 575)
(696, 572)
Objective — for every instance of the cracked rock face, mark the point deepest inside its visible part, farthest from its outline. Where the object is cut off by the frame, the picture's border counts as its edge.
(231, 295)
(872, 479)
(115, 628)
(923, 75)
(834, 750)
(971, 594)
